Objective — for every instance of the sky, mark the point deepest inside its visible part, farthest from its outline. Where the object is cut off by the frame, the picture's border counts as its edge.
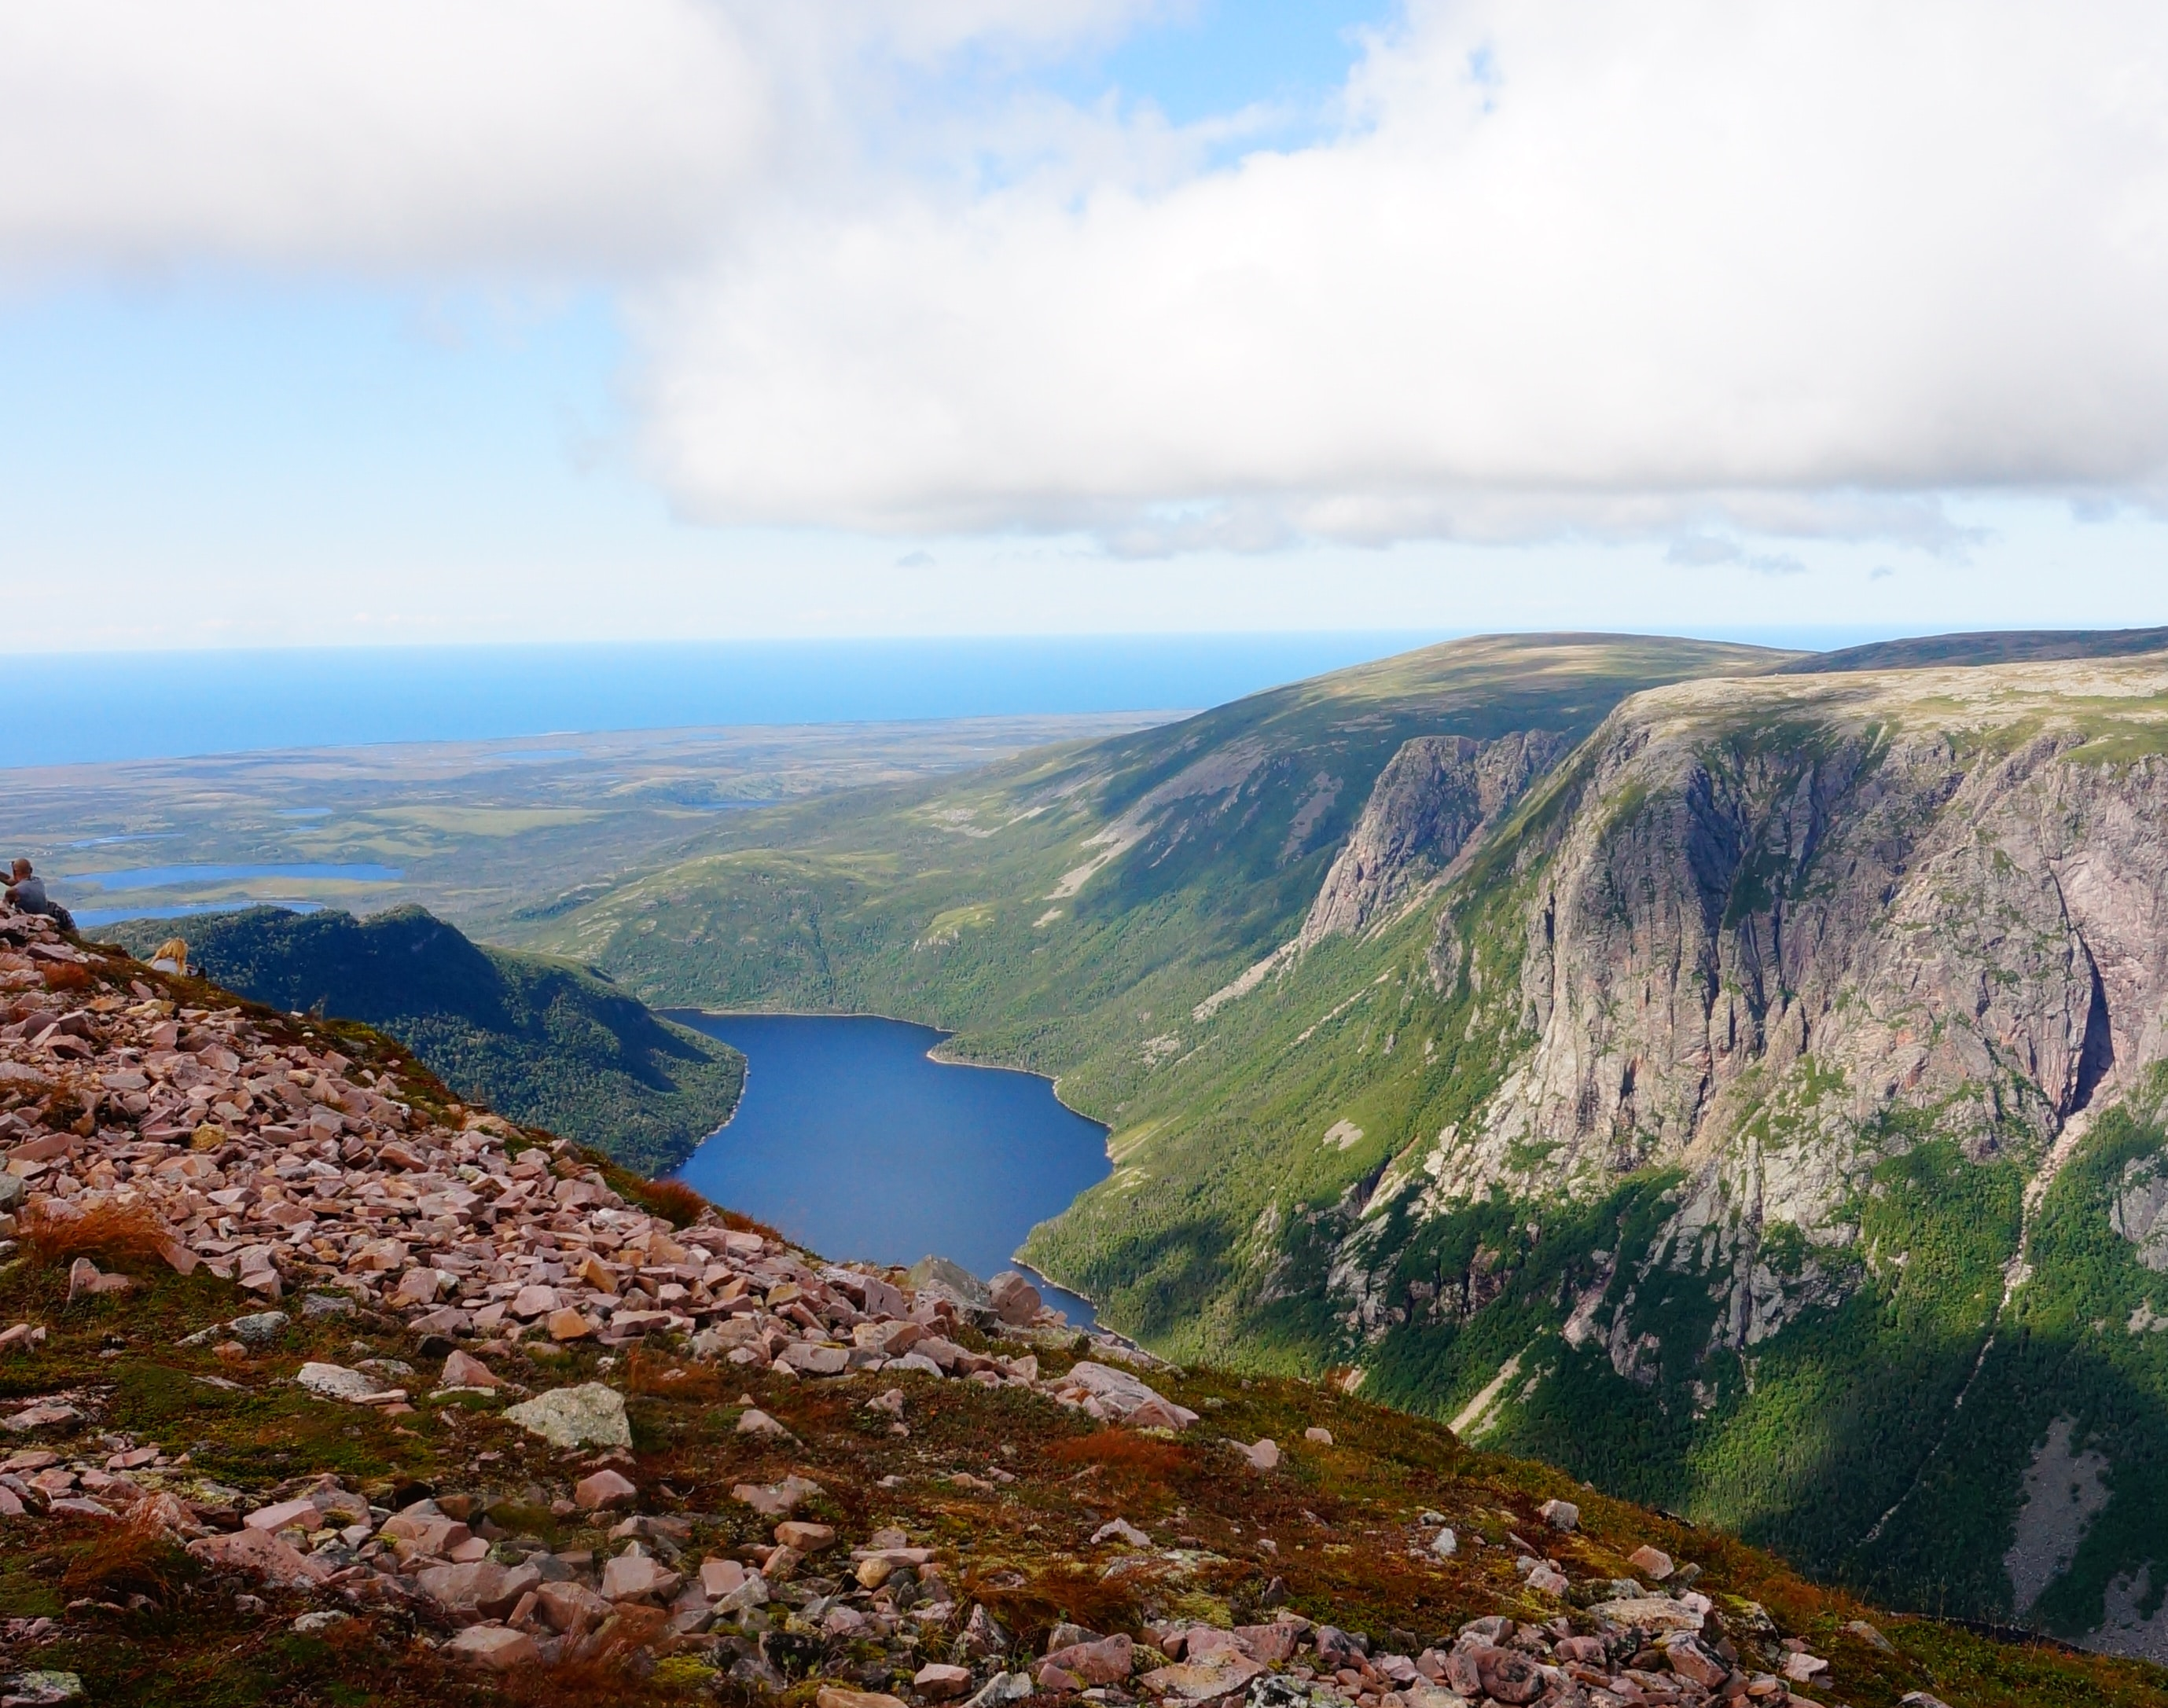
(461, 322)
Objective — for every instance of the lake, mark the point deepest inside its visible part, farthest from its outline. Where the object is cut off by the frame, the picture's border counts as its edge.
(166, 876)
(851, 1140)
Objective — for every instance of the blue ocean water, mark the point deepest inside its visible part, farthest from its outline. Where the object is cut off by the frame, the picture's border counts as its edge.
(73, 709)
(851, 1139)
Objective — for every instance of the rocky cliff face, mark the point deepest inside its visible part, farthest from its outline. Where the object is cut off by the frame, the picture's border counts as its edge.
(1435, 796)
(1759, 888)
(1829, 1012)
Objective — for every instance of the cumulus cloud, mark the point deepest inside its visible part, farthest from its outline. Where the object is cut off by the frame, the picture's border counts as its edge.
(1698, 267)
(1608, 268)
(592, 138)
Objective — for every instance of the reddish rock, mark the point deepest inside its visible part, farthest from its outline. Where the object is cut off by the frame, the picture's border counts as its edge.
(638, 1578)
(1270, 1644)
(1560, 1515)
(1107, 1661)
(805, 1538)
(568, 1324)
(262, 1556)
(605, 1491)
(464, 1369)
(720, 1577)
(1015, 1300)
(1507, 1675)
(275, 1519)
(478, 1587)
(939, 1682)
(497, 1647)
(570, 1607)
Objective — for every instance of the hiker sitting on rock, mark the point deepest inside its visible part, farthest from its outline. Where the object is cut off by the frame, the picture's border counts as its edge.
(27, 892)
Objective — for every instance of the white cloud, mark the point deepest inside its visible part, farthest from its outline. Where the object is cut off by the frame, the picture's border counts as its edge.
(1661, 263)
(1706, 267)
(582, 137)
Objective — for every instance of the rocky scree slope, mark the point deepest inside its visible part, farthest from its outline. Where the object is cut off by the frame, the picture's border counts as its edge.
(542, 1040)
(1766, 1121)
(227, 1478)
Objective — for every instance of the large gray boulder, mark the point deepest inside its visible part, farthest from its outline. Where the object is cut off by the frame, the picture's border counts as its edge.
(589, 1415)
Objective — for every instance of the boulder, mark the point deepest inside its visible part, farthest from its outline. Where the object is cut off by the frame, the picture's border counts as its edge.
(1120, 1529)
(1015, 1300)
(1507, 1675)
(464, 1369)
(1690, 1661)
(589, 1415)
(275, 1519)
(1652, 1563)
(337, 1382)
(566, 1323)
(936, 1277)
(720, 1577)
(1653, 1613)
(480, 1587)
(604, 1491)
(259, 1555)
(1560, 1515)
(1107, 1661)
(811, 1358)
(1272, 1644)
(1124, 1396)
(638, 1578)
(1263, 1455)
(569, 1607)
(498, 1648)
(939, 1682)
(805, 1538)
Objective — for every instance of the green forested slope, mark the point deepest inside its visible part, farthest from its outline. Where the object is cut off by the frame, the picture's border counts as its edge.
(540, 1040)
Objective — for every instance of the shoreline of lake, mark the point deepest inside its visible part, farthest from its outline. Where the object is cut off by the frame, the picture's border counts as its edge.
(856, 1137)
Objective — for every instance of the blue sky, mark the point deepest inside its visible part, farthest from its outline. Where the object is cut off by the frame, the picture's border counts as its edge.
(209, 436)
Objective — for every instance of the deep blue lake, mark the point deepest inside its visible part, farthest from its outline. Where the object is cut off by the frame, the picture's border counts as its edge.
(851, 1140)
(158, 877)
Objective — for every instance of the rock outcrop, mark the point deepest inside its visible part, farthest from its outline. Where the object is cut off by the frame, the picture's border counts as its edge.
(1436, 796)
(1764, 883)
